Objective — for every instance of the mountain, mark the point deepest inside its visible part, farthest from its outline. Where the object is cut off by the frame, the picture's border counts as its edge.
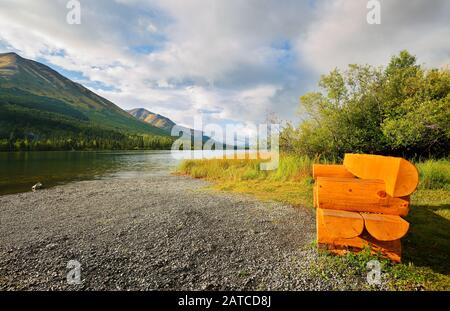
(38, 103)
(154, 119)
(166, 124)
(163, 123)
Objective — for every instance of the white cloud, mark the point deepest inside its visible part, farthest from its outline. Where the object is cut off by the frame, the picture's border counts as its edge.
(340, 35)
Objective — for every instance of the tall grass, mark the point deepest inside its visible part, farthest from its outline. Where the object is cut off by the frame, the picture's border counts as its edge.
(434, 174)
(290, 183)
(291, 168)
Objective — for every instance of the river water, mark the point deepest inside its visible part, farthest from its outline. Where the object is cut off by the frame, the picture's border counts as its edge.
(19, 171)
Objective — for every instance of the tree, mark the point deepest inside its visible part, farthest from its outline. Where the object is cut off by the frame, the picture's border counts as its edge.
(400, 110)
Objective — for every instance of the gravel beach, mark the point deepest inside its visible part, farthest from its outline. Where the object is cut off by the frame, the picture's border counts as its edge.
(159, 233)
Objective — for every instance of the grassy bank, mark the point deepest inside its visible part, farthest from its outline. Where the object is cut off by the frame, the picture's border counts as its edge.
(290, 183)
(426, 248)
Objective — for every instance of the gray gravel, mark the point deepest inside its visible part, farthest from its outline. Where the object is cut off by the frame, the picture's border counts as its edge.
(163, 232)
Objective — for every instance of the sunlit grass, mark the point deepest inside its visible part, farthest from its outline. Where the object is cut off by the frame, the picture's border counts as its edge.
(434, 174)
(291, 183)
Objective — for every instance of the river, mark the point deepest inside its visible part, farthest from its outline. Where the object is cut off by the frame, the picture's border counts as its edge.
(19, 171)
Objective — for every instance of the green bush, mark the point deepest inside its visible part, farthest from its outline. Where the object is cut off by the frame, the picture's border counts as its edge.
(401, 110)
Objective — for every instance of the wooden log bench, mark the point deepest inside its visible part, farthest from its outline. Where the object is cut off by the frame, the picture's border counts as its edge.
(360, 203)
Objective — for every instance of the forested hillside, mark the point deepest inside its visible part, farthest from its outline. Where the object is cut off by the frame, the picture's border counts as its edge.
(42, 110)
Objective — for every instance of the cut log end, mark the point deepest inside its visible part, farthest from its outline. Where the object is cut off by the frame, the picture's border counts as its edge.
(339, 224)
(385, 227)
(400, 176)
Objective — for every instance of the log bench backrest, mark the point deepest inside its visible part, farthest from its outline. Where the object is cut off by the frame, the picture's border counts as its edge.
(331, 170)
(357, 195)
(400, 176)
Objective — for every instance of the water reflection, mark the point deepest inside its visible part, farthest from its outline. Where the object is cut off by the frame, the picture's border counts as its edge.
(19, 171)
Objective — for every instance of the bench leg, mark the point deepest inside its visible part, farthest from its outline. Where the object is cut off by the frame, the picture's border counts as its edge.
(340, 246)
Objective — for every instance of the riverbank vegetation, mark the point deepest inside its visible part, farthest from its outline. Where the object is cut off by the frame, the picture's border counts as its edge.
(87, 141)
(291, 183)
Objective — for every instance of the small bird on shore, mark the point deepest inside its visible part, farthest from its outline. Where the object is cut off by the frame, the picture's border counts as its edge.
(36, 187)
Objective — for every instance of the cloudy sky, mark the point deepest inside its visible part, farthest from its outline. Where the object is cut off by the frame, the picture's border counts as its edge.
(231, 60)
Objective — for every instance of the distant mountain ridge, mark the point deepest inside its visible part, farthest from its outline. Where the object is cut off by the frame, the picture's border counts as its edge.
(163, 122)
(38, 101)
(154, 119)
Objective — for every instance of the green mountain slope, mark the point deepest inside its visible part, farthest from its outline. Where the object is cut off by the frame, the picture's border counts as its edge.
(37, 103)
